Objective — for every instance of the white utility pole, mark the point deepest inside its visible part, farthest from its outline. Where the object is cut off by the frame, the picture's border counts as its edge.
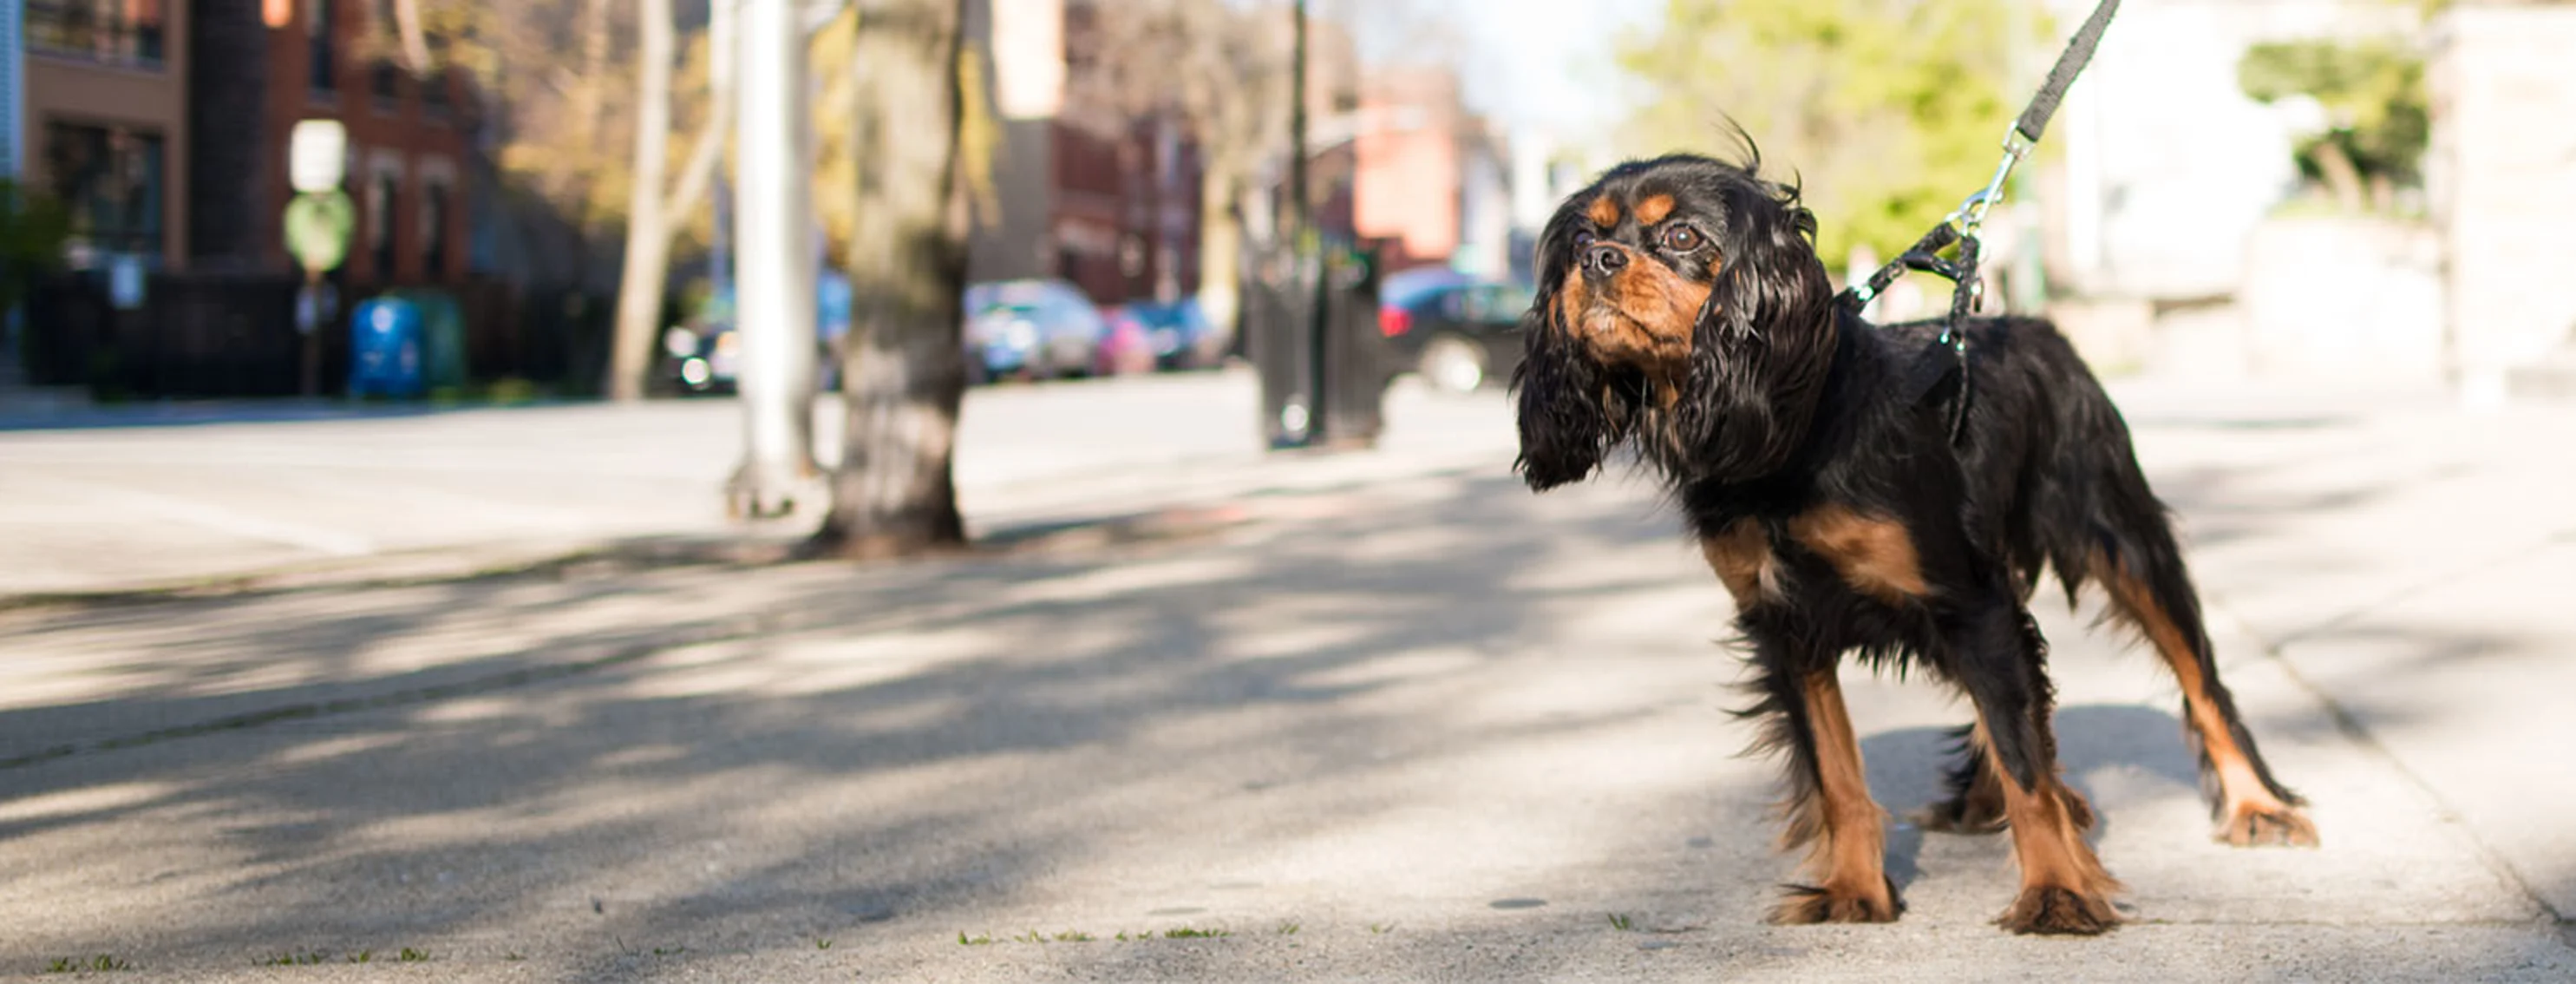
(774, 258)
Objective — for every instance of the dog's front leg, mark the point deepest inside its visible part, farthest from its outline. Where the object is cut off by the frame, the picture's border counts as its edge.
(1828, 809)
(2003, 665)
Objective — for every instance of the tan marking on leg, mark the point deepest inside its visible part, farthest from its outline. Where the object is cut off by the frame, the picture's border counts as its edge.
(2064, 888)
(1875, 556)
(2248, 812)
(1741, 556)
(1604, 212)
(1653, 209)
(1851, 857)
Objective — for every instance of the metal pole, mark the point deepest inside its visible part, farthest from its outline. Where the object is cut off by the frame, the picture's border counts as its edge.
(1302, 237)
(309, 310)
(774, 267)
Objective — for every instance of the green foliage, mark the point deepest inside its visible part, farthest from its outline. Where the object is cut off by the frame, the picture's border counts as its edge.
(102, 962)
(1888, 111)
(32, 230)
(2372, 92)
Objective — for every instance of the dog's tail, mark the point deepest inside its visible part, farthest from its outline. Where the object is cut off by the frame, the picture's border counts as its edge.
(2098, 521)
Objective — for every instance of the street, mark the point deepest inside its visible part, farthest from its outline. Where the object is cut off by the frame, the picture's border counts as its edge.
(229, 489)
(1374, 716)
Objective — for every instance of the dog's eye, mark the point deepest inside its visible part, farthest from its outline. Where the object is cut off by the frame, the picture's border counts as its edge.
(1583, 238)
(1681, 237)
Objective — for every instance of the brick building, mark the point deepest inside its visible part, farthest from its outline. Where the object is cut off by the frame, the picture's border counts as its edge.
(1126, 216)
(1103, 199)
(104, 123)
(1409, 147)
(265, 65)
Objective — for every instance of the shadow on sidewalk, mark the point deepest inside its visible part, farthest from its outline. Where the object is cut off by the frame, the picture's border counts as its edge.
(1906, 765)
(514, 723)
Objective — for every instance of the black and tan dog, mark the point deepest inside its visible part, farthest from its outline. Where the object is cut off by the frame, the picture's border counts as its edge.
(1683, 315)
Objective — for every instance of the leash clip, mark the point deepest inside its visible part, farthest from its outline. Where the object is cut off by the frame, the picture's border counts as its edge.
(1971, 214)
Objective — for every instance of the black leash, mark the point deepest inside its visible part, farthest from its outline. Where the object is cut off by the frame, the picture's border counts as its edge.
(1960, 228)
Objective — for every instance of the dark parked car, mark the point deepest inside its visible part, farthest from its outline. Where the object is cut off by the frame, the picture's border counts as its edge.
(704, 355)
(1458, 334)
(706, 358)
(1037, 328)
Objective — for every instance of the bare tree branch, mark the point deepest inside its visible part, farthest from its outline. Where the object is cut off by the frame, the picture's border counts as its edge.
(708, 151)
(415, 39)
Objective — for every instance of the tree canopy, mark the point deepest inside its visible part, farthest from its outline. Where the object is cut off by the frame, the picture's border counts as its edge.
(2377, 119)
(1888, 111)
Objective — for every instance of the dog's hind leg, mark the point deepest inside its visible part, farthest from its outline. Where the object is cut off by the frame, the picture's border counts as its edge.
(2096, 519)
(1828, 809)
(1976, 801)
(2151, 591)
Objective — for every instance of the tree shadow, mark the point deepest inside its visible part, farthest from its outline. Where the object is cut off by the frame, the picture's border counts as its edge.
(572, 750)
(510, 722)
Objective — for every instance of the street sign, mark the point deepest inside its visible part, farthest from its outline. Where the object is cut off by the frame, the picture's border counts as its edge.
(317, 155)
(318, 227)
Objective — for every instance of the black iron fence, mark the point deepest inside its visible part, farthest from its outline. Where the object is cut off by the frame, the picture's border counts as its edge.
(206, 335)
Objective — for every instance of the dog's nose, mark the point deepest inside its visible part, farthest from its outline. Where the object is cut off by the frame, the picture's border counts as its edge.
(1604, 259)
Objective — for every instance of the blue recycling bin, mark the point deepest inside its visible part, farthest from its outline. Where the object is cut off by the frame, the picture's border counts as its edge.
(385, 349)
(442, 332)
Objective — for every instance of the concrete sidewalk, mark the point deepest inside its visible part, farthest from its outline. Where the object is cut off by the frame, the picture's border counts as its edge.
(1405, 722)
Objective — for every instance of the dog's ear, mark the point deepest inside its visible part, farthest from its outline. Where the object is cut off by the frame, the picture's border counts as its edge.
(1569, 415)
(1763, 342)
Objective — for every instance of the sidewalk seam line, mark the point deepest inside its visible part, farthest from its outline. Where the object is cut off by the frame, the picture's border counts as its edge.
(2350, 725)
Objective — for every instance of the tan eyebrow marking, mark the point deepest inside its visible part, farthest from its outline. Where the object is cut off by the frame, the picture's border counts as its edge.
(1604, 212)
(1654, 209)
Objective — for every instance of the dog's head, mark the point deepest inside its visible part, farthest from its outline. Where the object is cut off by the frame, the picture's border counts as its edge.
(1680, 301)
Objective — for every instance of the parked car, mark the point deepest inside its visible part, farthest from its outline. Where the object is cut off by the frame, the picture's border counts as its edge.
(1458, 334)
(1127, 348)
(1182, 335)
(706, 358)
(1041, 329)
(704, 354)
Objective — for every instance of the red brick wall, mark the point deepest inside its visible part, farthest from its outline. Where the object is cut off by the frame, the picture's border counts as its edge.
(414, 143)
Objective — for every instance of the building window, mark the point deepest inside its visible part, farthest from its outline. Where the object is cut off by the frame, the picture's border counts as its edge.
(433, 94)
(323, 61)
(386, 83)
(110, 179)
(382, 193)
(120, 32)
(433, 230)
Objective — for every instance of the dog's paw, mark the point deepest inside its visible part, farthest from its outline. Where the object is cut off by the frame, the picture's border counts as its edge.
(2054, 911)
(2262, 823)
(1804, 905)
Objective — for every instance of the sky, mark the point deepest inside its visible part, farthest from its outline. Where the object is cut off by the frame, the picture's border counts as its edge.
(1536, 63)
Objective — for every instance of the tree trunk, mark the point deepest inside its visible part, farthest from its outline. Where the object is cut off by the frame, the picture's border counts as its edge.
(904, 372)
(1220, 249)
(415, 40)
(2340, 174)
(648, 233)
